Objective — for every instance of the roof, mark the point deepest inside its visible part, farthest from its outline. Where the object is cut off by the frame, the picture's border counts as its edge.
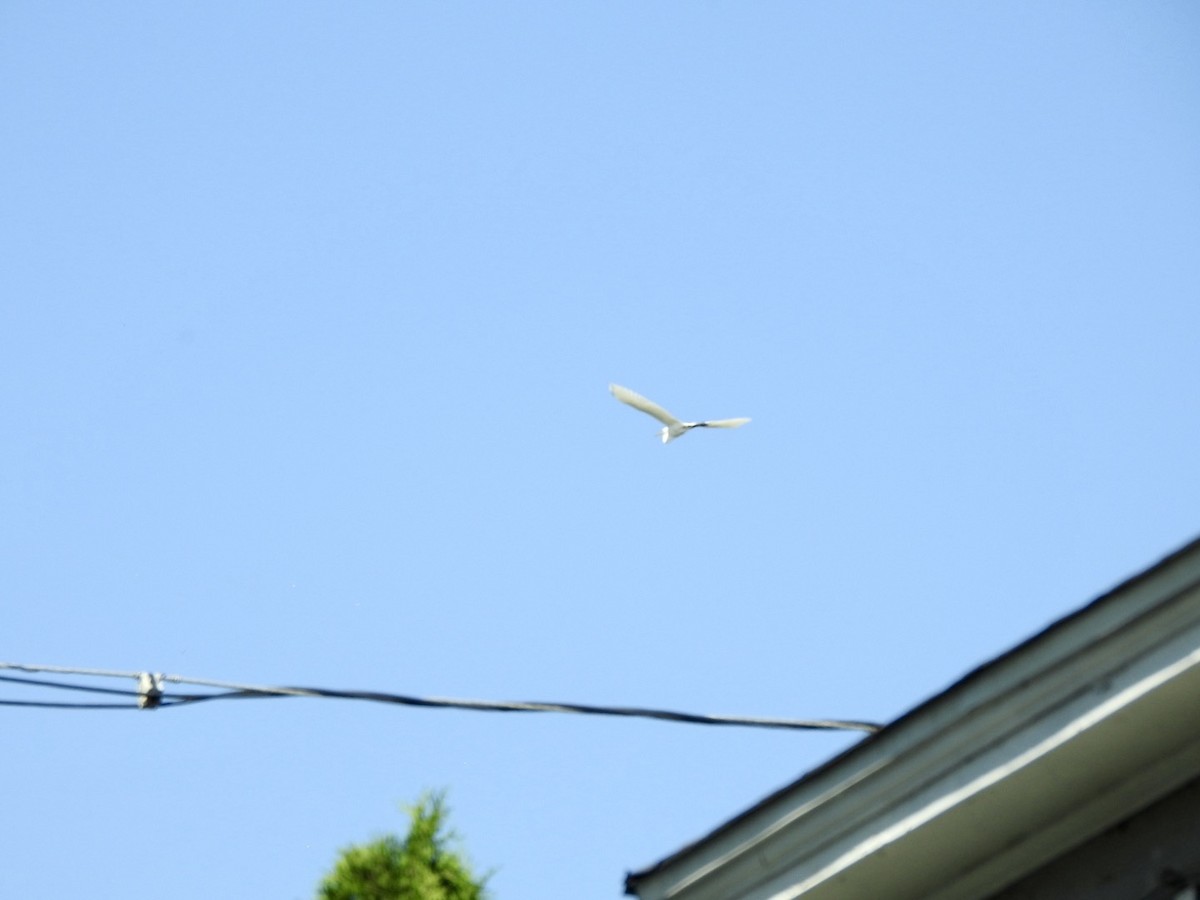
(1023, 758)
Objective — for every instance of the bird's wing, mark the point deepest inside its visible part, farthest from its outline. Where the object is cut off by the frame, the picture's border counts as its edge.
(725, 423)
(637, 401)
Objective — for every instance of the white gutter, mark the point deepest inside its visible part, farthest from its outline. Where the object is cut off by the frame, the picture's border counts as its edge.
(1087, 722)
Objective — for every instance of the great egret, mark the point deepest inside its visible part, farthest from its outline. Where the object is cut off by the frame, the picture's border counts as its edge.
(674, 428)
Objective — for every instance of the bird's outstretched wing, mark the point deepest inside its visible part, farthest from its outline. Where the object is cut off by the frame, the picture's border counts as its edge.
(637, 401)
(725, 423)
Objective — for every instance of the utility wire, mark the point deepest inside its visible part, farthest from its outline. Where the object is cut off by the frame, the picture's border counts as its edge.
(152, 693)
(71, 687)
(40, 704)
(133, 694)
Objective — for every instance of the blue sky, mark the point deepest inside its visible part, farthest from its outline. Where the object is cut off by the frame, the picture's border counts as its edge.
(309, 316)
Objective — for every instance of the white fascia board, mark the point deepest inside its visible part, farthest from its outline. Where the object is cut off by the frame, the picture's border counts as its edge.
(1033, 753)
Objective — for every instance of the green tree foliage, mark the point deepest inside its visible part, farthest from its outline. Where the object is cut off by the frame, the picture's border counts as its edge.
(423, 866)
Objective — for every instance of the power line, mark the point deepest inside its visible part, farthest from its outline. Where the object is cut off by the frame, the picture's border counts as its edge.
(41, 704)
(153, 692)
(72, 687)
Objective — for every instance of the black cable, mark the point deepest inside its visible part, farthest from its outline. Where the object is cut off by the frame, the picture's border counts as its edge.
(535, 706)
(125, 692)
(42, 705)
(151, 694)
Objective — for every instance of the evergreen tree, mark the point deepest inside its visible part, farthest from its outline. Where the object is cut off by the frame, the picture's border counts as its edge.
(422, 866)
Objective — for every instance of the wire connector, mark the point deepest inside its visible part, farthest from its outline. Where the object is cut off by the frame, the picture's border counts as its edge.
(150, 690)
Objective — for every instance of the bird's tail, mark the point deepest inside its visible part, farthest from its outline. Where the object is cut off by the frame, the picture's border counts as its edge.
(673, 431)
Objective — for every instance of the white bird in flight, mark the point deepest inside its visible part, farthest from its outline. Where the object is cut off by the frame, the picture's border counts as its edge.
(674, 428)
